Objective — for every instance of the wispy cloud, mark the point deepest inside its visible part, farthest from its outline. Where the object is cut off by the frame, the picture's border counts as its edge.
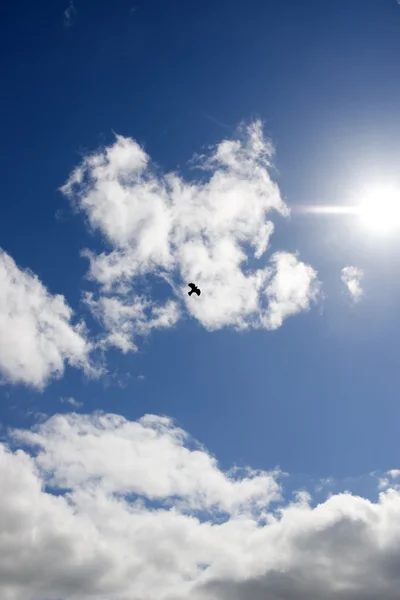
(389, 480)
(214, 231)
(72, 402)
(69, 14)
(352, 277)
(124, 319)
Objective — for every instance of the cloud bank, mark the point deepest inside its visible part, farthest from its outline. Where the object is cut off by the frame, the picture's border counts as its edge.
(108, 508)
(37, 336)
(214, 231)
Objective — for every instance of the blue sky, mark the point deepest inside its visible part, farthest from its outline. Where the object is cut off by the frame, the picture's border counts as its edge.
(289, 358)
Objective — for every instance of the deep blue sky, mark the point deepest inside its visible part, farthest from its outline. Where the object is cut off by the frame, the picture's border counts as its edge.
(319, 396)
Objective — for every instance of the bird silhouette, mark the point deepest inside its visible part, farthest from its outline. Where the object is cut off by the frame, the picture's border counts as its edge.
(194, 289)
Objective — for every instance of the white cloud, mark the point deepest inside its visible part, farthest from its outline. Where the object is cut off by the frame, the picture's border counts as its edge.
(72, 402)
(213, 231)
(124, 320)
(387, 481)
(291, 289)
(69, 14)
(148, 458)
(351, 277)
(37, 337)
(141, 519)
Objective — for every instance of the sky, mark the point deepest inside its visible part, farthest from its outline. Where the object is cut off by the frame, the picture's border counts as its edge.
(240, 444)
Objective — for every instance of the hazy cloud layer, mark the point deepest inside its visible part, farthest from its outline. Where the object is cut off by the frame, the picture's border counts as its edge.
(37, 336)
(214, 231)
(145, 513)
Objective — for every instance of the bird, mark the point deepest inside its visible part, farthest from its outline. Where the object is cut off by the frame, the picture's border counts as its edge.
(193, 288)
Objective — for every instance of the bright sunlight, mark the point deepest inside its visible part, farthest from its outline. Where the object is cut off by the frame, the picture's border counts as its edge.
(380, 210)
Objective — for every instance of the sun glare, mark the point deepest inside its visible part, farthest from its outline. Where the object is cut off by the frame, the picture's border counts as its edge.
(380, 210)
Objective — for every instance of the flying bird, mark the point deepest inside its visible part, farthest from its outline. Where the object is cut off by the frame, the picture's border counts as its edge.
(194, 289)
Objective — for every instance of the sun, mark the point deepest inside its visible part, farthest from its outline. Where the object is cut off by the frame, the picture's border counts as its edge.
(380, 210)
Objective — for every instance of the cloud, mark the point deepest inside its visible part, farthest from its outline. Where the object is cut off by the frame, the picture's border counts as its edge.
(109, 508)
(387, 481)
(351, 277)
(72, 402)
(124, 319)
(69, 14)
(37, 337)
(291, 288)
(214, 231)
(157, 463)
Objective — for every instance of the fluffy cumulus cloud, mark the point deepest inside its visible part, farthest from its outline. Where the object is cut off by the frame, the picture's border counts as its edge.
(291, 288)
(214, 231)
(352, 277)
(98, 506)
(37, 337)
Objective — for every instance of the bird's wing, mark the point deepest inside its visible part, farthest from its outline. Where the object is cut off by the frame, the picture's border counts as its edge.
(191, 285)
